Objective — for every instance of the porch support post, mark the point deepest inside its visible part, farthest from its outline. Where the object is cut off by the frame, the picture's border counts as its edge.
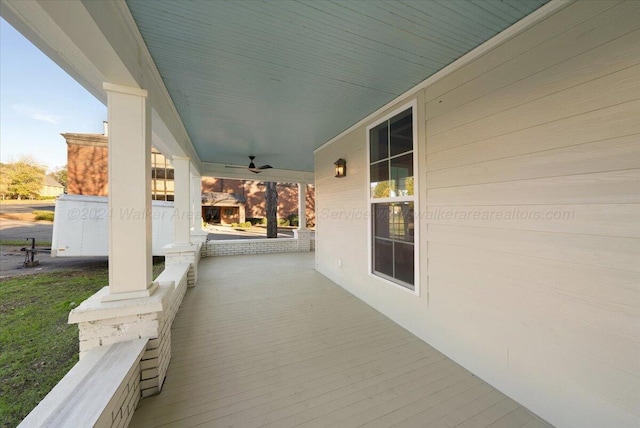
(198, 235)
(131, 307)
(182, 201)
(130, 272)
(302, 233)
(302, 205)
(182, 250)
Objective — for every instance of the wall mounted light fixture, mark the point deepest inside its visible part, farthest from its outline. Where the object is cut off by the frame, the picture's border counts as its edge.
(341, 168)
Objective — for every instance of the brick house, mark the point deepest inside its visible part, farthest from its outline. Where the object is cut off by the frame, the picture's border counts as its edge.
(231, 201)
(224, 201)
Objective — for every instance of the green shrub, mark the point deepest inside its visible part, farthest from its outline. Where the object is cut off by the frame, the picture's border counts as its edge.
(255, 220)
(293, 219)
(234, 225)
(263, 221)
(247, 224)
(43, 215)
(283, 222)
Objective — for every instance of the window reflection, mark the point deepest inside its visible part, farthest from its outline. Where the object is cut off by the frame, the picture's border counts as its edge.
(392, 176)
(393, 233)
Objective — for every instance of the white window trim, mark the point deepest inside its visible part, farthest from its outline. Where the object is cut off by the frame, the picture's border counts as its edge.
(413, 105)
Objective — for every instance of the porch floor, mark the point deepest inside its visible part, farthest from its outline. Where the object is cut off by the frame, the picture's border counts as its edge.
(265, 340)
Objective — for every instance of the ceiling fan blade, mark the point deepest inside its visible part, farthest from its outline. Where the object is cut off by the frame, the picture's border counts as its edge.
(252, 167)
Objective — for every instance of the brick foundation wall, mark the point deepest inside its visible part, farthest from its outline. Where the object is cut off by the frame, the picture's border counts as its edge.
(101, 329)
(102, 390)
(120, 410)
(249, 246)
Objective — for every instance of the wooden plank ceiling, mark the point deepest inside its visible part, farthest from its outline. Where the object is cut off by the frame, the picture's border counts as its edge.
(277, 79)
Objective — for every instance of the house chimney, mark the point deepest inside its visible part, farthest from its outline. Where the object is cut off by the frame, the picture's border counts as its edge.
(105, 125)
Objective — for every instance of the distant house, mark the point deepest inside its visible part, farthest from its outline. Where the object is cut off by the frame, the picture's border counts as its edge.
(229, 201)
(51, 188)
(224, 201)
(87, 169)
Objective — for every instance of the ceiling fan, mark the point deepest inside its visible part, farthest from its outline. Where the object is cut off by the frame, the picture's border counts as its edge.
(252, 167)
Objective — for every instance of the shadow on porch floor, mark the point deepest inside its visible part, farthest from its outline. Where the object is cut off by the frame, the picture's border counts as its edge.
(268, 341)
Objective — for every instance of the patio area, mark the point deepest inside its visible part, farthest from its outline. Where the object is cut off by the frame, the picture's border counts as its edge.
(265, 340)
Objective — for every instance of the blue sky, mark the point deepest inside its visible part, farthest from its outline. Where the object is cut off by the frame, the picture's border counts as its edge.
(38, 102)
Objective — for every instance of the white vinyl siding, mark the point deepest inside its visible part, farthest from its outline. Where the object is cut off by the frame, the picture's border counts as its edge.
(531, 241)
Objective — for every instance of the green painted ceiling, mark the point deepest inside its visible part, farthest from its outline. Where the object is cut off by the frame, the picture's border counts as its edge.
(277, 79)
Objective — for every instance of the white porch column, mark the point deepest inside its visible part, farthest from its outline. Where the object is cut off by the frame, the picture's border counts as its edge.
(302, 205)
(130, 272)
(182, 250)
(302, 234)
(198, 234)
(182, 201)
(194, 214)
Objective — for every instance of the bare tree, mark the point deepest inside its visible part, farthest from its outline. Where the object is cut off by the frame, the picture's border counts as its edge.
(271, 197)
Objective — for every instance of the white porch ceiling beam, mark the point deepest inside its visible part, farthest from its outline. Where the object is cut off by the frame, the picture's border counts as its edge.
(218, 170)
(97, 42)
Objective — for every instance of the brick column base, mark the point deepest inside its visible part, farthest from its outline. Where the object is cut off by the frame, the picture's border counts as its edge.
(179, 254)
(304, 239)
(103, 323)
(199, 236)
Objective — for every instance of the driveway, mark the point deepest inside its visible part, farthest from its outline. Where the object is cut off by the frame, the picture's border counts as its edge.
(16, 230)
(15, 207)
(12, 259)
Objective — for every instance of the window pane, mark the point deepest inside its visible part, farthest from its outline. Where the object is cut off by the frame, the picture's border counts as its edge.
(392, 176)
(380, 180)
(383, 257)
(381, 220)
(379, 142)
(404, 262)
(401, 133)
(402, 222)
(402, 175)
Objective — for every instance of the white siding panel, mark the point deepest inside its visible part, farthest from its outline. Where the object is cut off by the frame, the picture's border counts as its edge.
(549, 29)
(602, 156)
(613, 187)
(595, 219)
(618, 322)
(591, 250)
(598, 125)
(544, 70)
(530, 222)
(609, 90)
(586, 283)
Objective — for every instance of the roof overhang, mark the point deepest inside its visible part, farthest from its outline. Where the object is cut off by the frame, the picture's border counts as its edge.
(273, 79)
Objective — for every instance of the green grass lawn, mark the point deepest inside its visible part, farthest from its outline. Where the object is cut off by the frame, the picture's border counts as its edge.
(37, 346)
(21, 243)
